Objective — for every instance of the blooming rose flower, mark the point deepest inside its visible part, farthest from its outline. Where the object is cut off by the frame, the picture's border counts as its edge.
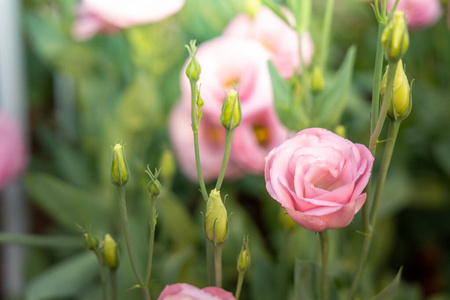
(226, 61)
(255, 137)
(276, 36)
(12, 150)
(318, 177)
(419, 13)
(107, 16)
(211, 136)
(184, 291)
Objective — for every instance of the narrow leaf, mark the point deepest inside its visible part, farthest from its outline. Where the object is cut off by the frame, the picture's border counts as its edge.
(390, 290)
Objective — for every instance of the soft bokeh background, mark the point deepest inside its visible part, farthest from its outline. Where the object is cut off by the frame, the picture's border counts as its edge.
(85, 96)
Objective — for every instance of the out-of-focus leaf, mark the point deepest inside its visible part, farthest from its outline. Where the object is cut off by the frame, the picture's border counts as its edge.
(65, 203)
(332, 101)
(304, 277)
(263, 277)
(174, 264)
(390, 290)
(65, 279)
(442, 150)
(276, 9)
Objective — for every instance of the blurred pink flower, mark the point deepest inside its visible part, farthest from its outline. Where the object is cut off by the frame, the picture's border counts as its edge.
(211, 137)
(184, 291)
(254, 139)
(226, 61)
(276, 36)
(419, 13)
(318, 177)
(13, 156)
(107, 16)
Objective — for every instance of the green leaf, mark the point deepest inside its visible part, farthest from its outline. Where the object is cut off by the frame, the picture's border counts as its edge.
(304, 277)
(65, 279)
(390, 290)
(276, 9)
(65, 203)
(332, 101)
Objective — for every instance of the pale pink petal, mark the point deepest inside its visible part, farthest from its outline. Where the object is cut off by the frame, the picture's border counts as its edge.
(184, 291)
(419, 13)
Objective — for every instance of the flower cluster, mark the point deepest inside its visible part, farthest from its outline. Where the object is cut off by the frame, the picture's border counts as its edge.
(238, 58)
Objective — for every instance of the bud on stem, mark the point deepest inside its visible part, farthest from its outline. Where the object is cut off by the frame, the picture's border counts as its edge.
(395, 38)
(231, 115)
(119, 167)
(401, 94)
(216, 218)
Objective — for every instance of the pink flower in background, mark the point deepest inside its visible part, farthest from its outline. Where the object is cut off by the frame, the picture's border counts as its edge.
(184, 291)
(12, 150)
(226, 61)
(276, 36)
(254, 138)
(211, 137)
(318, 177)
(419, 13)
(107, 16)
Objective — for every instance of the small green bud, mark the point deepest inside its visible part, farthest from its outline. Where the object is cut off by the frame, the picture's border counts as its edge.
(285, 220)
(243, 261)
(318, 81)
(168, 167)
(252, 7)
(119, 168)
(90, 241)
(231, 115)
(110, 252)
(395, 38)
(154, 186)
(216, 218)
(401, 93)
(193, 68)
(340, 130)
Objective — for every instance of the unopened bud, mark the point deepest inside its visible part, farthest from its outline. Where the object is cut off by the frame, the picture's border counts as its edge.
(110, 252)
(401, 93)
(244, 257)
(231, 115)
(119, 168)
(318, 82)
(168, 167)
(90, 241)
(340, 131)
(252, 7)
(193, 68)
(285, 220)
(154, 186)
(216, 218)
(395, 38)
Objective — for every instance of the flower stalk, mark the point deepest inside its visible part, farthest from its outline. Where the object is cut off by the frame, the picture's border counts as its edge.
(324, 254)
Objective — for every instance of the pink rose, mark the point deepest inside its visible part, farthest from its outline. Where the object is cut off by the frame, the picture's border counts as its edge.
(419, 13)
(184, 291)
(211, 137)
(276, 36)
(225, 61)
(318, 177)
(13, 156)
(107, 16)
(254, 138)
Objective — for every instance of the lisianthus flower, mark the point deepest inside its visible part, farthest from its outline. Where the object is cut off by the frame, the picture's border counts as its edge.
(13, 155)
(184, 291)
(276, 36)
(107, 16)
(319, 177)
(419, 13)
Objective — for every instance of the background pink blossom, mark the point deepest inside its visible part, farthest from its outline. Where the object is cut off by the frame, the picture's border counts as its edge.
(13, 156)
(419, 13)
(318, 177)
(106, 16)
(184, 291)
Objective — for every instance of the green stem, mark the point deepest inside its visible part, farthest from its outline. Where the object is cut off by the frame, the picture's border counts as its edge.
(218, 264)
(239, 285)
(324, 252)
(209, 262)
(124, 219)
(40, 241)
(377, 74)
(226, 156)
(113, 279)
(283, 255)
(151, 240)
(326, 34)
(196, 146)
(102, 272)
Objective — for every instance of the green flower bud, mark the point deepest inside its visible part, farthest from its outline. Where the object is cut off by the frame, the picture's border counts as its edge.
(401, 93)
(231, 115)
(110, 252)
(193, 68)
(285, 220)
(395, 38)
(90, 241)
(154, 186)
(318, 82)
(168, 167)
(340, 130)
(216, 218)
(119, 168)
(252, 7)
(243, 261)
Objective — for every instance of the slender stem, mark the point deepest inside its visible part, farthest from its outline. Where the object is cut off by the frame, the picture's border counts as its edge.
(113, 280)
(326, 34)
(209, 262)
(324, 251)
(226, 156)
(151, 240)
(283, 255)
(218, 264)
(40, 241)
(377, 74)
(102, 272)
(124, 218)
(196, 146)
(239, 285)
